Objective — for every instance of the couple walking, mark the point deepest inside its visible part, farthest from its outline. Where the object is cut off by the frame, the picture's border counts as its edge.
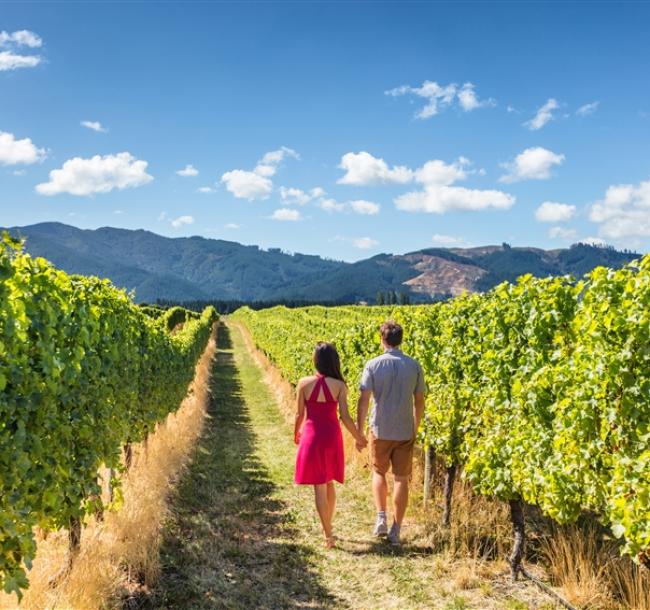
(396, 384)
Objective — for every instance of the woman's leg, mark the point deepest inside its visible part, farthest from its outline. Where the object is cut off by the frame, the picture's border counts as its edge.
(322, 506)
(331, 500)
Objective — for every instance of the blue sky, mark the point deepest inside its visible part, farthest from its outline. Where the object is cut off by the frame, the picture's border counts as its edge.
(343, 129)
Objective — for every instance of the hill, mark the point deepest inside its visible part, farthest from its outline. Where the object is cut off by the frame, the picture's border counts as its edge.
(195, 268)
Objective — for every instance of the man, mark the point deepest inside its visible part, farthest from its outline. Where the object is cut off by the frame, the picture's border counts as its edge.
(396, 384)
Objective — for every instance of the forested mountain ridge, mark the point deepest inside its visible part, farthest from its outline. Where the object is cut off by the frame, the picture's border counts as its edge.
(189, 268)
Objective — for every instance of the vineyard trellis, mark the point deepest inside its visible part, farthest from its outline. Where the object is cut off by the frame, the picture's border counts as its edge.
(83, 373)
(539, 390)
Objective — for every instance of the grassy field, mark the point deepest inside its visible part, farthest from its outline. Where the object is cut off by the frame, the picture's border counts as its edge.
(242, 535)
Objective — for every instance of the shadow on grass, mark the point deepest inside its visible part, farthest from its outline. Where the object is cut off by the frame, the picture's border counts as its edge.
(229, 543)
(384, 548)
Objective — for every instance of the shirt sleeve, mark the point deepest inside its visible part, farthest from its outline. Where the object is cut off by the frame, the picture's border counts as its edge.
(420, 385)
(366, 379)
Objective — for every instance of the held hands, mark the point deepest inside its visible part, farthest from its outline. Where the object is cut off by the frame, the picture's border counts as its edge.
(362, 443)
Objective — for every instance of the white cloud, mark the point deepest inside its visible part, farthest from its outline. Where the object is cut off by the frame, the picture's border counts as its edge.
(295, 196)
(232, 225)
(21, 38)
(269, 163)
(247, 185)
(14, 152)
(367, 208)
(11, 59)
(95, 126)
(510, 109)
(624, 212)
(587, 109)
(206, 190)
(446, 240)
(189, 171)
(439, 195)
(364, 169)
(286, 214)
(177, 223)
(440, 199)
(331, 205)
(436, 177)
(438, 173)
(468, 100)
(119, 212)
(257, 184)
(534, 163)
(439, 97)
(364, 243)
(550, 211)
(561, 233)
(99, 174)
(162, 216)
(544, 115)
(19, 172)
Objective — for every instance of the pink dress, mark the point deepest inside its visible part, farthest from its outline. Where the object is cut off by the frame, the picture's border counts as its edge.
(320, 452)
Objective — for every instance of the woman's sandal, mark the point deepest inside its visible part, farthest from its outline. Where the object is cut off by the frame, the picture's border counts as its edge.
(330, 542)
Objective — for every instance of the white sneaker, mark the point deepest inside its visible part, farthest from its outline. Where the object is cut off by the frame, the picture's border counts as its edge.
(381, 528)
(393, 535)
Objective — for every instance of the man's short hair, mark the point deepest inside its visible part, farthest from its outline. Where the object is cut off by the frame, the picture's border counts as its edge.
(391, 333)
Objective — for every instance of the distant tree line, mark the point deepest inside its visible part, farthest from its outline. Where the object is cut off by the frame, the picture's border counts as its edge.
(391, 297)
(226, 306)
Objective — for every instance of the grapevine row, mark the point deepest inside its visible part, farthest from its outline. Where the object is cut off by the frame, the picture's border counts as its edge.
(540, 389)
(83, 371)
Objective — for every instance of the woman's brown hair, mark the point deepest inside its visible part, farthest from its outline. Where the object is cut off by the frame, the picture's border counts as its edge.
(327, 361)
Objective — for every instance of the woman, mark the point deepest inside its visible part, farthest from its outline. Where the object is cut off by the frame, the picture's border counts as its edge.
(320, 459)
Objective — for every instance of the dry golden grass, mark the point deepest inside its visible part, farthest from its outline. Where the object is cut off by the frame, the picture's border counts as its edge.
(591, 572)
(120, 555)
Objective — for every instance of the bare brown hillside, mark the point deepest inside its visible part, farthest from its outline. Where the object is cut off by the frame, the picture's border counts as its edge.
(441, 276)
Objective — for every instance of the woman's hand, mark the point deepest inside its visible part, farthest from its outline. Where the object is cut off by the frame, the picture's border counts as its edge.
(296, 437)
(361, 443)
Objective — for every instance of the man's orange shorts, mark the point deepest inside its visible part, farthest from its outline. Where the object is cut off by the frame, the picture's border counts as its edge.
(397, 454)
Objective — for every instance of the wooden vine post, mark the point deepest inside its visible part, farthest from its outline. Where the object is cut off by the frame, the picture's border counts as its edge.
(519, 536)
(429, 459)
(450, 477)
(128, 455)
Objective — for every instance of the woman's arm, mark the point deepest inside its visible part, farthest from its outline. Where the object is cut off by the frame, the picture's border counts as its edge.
(300, 411)
(344, 413)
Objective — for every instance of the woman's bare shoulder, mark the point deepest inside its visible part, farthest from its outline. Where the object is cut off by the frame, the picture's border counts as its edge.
(305, 381)
(337, 383)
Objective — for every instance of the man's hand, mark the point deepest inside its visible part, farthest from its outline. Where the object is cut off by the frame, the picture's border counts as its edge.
(361, 443)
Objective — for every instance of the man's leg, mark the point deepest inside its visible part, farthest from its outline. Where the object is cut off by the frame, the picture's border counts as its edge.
(379, 491)
(400, 498)
(380, 456)
(402, 462)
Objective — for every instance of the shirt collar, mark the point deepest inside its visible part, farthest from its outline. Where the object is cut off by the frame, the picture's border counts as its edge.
(389, 350)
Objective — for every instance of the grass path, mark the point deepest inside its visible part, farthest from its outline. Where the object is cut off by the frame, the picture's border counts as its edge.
(242, 535)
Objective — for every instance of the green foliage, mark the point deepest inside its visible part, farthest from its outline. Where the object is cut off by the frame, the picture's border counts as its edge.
(82, 371)
(174, 316)
(539, 389)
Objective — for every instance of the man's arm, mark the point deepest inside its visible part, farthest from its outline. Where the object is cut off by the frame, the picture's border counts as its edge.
(362, 410)
(418, 399)
(418, 409)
